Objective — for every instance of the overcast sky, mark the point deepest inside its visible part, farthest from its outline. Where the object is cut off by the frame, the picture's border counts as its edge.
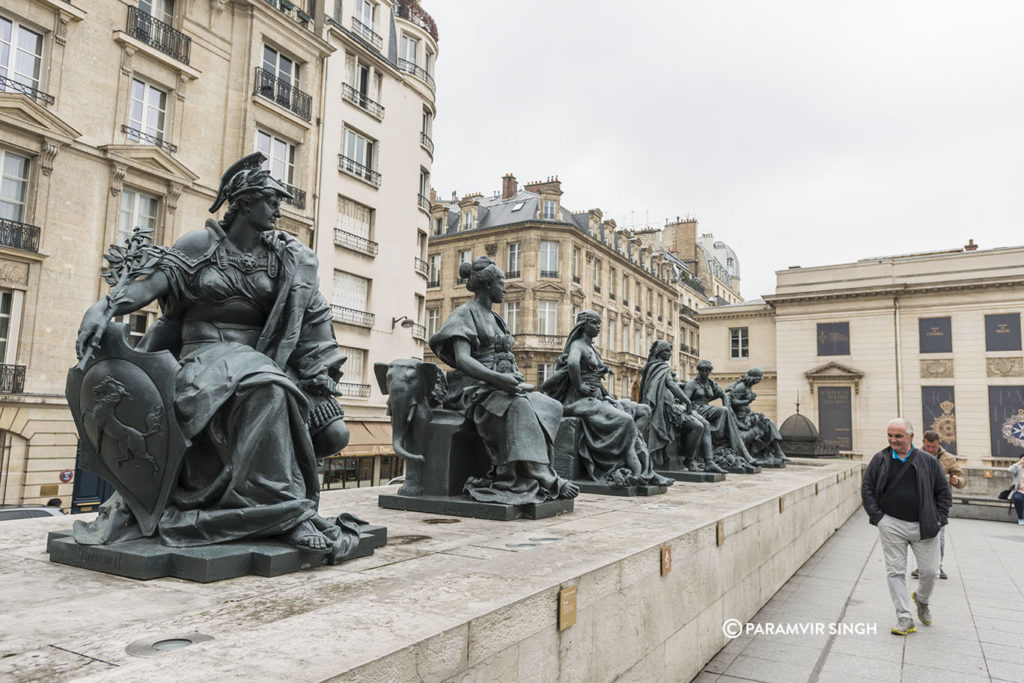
(800, 132)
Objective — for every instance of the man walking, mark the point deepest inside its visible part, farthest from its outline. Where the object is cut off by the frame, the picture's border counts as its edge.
(957, 479)
(906, 495)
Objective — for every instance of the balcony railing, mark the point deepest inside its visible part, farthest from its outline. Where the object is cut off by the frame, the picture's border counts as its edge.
(12, 379)
(355, 242)
(512, 274)
(298, 199)
(292, 12)
(155, 33)
(427, 143)
(411, 11)
(419, 331)
(423, 202)
(636, 307)
(8, 85)
(284, 93)
(687, 311)
(549, 340)
(549, 273)
(611, 295)
(362, 101)
(417, 71)
(459, 281)
(136, 135)
(352, 316)
(576, 279)
(433, 283)
(421, 266)
(352, 390)
(19, 235)
(367, 33)
(358, 170)
(597, 289)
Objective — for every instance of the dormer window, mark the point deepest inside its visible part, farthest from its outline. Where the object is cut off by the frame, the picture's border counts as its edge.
(550, 209)
(469, 219)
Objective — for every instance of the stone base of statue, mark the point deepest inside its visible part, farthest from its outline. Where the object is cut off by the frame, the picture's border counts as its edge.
(692, 477)
(451, 456)
(568, 465)
(147, 558)
(772, 464)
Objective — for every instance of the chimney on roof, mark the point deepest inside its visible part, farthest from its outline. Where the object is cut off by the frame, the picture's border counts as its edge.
(970, 246)
(509, 186)
(455, 197)
(550, 186)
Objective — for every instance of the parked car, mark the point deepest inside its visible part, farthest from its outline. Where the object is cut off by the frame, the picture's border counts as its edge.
(27, 512)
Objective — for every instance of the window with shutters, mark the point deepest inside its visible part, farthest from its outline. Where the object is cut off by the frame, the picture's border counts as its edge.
(351, 291)
(355, 367)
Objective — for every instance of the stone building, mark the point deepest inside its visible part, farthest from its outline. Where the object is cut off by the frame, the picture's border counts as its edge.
(118, 114)
(934, 337)
(558, 262)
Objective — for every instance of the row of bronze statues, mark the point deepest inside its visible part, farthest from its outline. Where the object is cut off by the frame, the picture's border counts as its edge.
(211, 428)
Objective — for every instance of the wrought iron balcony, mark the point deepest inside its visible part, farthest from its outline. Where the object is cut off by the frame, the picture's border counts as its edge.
(687, 311)
(417, 71)
(427, 143)
(358, 170)
(367, 33)
(355, 242)
(19, 235)
(549, 273)
(433, 283)
(597, 289)
(292, 12)
(636, 307)
(419, 331)
(283, 93)
(421, 266)
(352, 390)
(362, 101)
(423, 202)
(352, 316)
(136, 135)
(512, 274)
(550, 340)
(576, 279)
(8, 85)
(461, 280)
(298, 199)
(411, 11)
(12, 379)
(155, 33)
(611, 295)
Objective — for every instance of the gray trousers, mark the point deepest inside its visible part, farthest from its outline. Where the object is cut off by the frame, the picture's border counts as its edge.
(895, 535)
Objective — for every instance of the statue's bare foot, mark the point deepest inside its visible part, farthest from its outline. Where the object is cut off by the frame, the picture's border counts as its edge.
(305, 536)
(568, 490)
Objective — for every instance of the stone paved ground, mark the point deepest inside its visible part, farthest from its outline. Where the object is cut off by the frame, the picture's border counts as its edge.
(977, 632)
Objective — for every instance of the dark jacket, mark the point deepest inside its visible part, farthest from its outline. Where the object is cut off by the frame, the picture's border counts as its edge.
(932, 490)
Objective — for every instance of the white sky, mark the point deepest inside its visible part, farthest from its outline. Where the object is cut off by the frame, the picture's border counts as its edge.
(798, 131)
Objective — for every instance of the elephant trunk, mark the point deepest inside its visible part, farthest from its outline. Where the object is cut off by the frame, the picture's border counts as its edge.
(398, 439)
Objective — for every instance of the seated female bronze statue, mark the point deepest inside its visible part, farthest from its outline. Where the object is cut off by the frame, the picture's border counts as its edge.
(759, 433)
(611, 448)
(516, 423)
(243, 313)
(724, 430)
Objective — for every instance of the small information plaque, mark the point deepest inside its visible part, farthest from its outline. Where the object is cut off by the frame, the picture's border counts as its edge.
(48, 490)
(666, 560)
(566, 607)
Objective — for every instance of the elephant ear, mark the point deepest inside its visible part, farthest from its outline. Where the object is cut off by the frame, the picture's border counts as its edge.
(432, 383)
(380, 370)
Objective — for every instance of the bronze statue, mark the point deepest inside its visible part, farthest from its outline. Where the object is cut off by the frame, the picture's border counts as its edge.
(611, 447)
(674, 430)
(701, 390)
(760, 434)
(516, 424)
(250, 385)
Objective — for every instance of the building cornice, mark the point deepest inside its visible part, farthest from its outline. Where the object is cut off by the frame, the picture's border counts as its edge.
(890, 290)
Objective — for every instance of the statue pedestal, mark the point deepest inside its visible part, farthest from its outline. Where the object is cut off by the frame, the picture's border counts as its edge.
(568, 466)
(147, 558)
(686, 475)
(773, 465)
(605, 490)
(452, 455)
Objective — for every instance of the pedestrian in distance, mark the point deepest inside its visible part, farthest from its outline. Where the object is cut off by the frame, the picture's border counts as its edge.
(957, 479)
(906, 495)
(1017, 492)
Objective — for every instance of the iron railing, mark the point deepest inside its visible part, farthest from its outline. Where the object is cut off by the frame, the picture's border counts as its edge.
(419, 331)
(549, 273)
(357, 169)
(427, 143)
(597, 289)
(611, 295)
(8, 85)
(283, 93)
(292, 12)
(137, 135)
(423, 202)
(355, 242)
(417, 71)
(367, 33)
(411, 11)
(512, 274)
(298, 199)
(576, 279)
(461, 280)
(353, 390)
(422, 267)
(352, 316)
(362, 101)
(19, 235)
(552, 340)
(433, 283)
(353, 472)
(12, 379)
(155, 33)
(687, 311)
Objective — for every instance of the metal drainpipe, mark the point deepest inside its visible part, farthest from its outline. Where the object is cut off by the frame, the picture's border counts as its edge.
(899, 356)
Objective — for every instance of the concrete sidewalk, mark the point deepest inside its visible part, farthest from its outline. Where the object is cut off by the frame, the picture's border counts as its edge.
(840, 601)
